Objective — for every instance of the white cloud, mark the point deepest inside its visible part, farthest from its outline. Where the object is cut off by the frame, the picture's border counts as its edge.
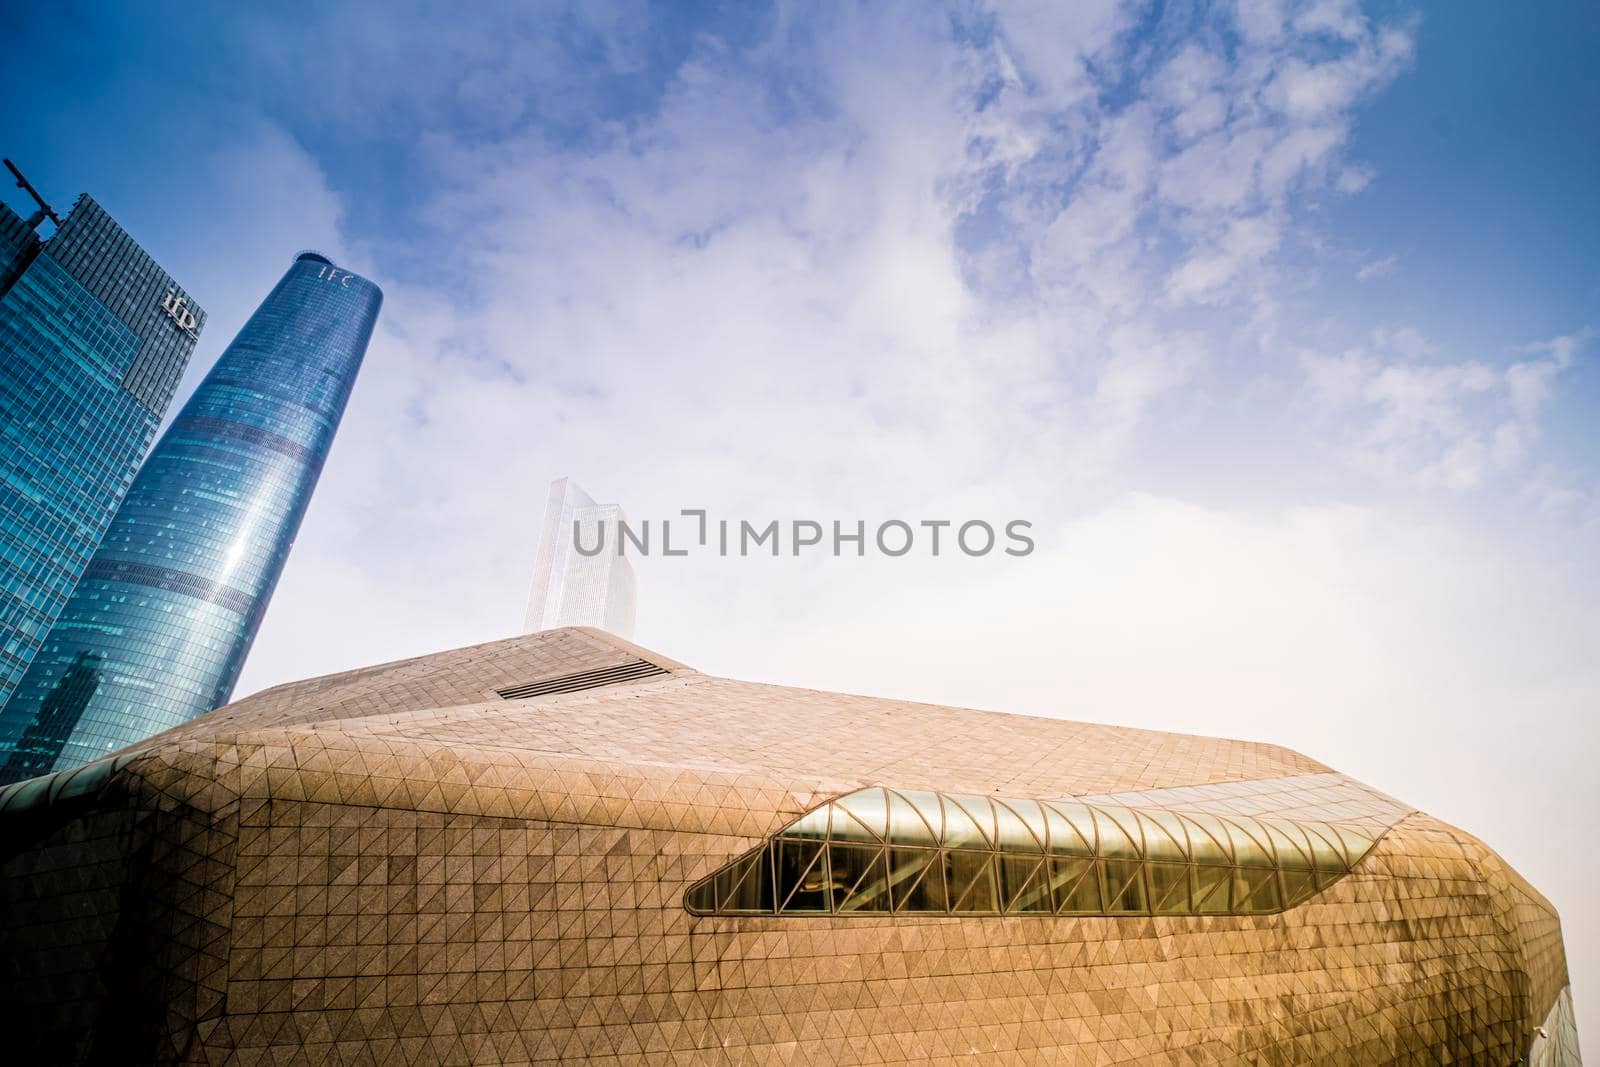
(1243, 242)
(277, 201)
(758, 293)
(1382, 267)
(1340, 18)
(1355, 178)
(1260, 21)
(1052, 42)
(1307, 90)
(1193, 87)
(1435, 424)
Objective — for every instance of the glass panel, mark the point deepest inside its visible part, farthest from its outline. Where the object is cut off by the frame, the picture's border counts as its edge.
(872, 892)
(1169, 888)
(1015, 871)
(913, 887)
(1081, 816)
(1114, 840)
(971, 879)
(802, 877)
(928, 894)
(1159, 842)
(724, 879)
(870, 808)
(700, 898)
(1302, 838)
(1255, 890)
(1211, 889)
(1290, 845)
(29, 793)
(1248, 851)
(60, 781)
(1240, 886)
(1035, 897)
(752, 889)
(1356, 842)
(1032, 813)
(1266, 896)
(813, 825)
(1326, 854)
(1298, 886)
(907, 826)
(1013, 832)
(730, 876)
(1064, 837)
(1076, 885)
(959, 829)
(927, 805)
(1208, 839)
(849, 864)
(1122, 886)
(980, 811)
(847, 827)
(88, 778)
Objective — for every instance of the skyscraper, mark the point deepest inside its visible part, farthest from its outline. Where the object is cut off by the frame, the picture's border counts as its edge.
(93, 339)
(593, 586)
(161, 622)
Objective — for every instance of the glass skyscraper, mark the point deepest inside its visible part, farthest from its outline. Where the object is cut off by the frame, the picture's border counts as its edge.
(93, 339)
(591, 587)
(160, 624)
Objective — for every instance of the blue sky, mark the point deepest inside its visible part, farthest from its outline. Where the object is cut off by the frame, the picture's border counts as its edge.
(1278, 321)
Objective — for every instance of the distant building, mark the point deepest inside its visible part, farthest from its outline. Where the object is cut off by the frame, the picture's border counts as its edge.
(94, 336)
(163, 618)
(572, 587)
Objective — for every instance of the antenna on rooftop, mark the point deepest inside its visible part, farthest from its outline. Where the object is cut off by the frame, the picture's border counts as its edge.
(45, 210)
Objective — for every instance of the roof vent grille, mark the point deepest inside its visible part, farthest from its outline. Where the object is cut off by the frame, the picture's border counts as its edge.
(571, 683)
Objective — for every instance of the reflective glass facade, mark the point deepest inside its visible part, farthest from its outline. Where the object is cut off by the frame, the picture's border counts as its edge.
(93, 339)
(887, 851)
(160, 625)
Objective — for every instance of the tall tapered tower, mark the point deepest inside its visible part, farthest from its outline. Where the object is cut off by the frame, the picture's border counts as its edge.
(161, 622)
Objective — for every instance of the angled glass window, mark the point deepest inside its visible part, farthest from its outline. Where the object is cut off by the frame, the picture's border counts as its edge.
(1075, 883)
(1122, 887)
(33, 795)
(884, 851)
(1208, 890)
(916, 878)
(802, 877)
(1169, 888)
(1018, 873)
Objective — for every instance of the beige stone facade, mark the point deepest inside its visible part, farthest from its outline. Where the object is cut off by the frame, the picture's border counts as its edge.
(401, 865)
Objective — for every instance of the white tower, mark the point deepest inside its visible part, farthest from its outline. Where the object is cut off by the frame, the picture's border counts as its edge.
(574, 589)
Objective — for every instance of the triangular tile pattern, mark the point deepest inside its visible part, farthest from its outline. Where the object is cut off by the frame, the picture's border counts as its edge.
(396, 866)
(137, 893)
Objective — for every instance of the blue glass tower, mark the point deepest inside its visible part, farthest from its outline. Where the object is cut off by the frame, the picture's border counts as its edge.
(93, 339)
(160, 625)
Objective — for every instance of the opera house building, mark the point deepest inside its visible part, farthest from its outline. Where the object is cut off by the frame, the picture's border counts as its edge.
(562, 846)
